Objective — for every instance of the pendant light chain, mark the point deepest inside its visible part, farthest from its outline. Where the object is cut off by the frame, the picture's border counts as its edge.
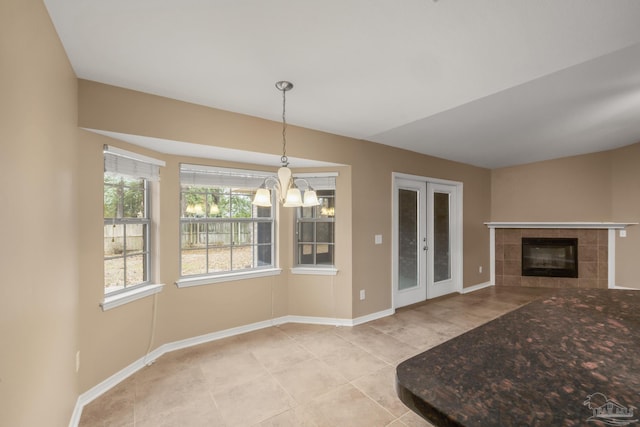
(284, 159)
(284, 183)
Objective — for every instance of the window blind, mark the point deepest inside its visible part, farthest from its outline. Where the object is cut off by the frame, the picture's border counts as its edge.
(220, 177)
(321, 181)
(131, 164)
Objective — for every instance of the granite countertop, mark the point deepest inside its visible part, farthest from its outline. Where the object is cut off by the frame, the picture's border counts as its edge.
(557, 361)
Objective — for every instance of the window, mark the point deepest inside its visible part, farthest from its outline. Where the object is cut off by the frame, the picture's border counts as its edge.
(127, 222)
(315, 226)
(126, 232)
(221, 232)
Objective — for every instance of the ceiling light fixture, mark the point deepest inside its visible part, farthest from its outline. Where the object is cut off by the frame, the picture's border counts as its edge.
(287, 187)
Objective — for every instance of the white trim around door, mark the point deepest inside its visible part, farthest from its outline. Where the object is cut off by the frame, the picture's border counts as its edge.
(430, 290)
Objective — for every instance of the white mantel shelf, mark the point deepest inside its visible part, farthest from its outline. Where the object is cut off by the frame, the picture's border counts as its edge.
(584, 225)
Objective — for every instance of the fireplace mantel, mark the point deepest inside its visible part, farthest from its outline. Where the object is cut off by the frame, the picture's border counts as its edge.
(611, 227)
(583, 225)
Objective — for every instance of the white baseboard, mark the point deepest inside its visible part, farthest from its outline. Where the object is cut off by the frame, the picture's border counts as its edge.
(77, 413)
(624, 287)
(101, 388)
(201, 339)
(313, 320)
(335, 321)
(373, 316)
(476, 287)
(96, 391)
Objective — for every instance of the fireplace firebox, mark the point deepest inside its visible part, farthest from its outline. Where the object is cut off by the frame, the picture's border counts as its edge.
(549, 257)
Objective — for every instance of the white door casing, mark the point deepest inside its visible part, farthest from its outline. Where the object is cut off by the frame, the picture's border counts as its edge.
(438, 266)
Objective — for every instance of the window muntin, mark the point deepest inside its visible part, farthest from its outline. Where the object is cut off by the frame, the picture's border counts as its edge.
(315, 232)
(221, 231)
(126, 232)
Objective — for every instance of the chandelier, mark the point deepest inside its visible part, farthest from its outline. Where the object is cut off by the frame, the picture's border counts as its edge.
(287, 187)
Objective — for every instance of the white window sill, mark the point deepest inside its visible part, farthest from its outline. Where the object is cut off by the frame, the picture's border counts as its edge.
(114, 301)
(318, 271)
(208, 280)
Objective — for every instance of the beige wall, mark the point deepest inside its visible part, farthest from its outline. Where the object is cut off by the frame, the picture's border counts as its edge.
(363, 209)
(595, 187)
(38, 255)
(626, 208)
(568, 189)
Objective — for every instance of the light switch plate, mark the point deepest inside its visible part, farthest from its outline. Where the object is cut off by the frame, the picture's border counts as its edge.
(378, 239)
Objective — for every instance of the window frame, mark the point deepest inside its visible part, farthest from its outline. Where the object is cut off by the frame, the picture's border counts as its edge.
(321, 182)
(117, 161)
(208, 182)
(145, 221)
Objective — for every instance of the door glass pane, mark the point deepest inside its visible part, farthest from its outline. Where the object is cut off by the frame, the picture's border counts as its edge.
(441, 237)
(407, 239)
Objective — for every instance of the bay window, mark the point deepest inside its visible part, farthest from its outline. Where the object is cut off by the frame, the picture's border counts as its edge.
(221, 232)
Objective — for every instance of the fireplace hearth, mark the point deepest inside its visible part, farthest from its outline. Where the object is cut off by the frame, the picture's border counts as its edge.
(549, 257)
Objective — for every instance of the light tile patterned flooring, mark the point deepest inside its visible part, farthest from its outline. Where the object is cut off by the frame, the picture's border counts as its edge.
(296, 374)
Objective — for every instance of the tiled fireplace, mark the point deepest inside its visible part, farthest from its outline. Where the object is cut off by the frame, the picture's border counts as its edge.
(596, 251)
(592, 258)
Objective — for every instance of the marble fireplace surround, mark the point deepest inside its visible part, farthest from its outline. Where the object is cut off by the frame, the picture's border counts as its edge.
(596, 252)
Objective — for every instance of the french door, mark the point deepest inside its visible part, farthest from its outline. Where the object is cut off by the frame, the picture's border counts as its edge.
(427, 248)
(441, 239)
(411, 240)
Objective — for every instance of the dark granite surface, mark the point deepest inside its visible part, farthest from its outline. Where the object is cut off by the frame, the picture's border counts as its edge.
(535, 366)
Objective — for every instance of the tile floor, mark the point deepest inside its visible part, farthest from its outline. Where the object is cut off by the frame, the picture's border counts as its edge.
(296, 374)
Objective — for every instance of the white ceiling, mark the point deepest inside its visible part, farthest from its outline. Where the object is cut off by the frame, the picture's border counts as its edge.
(487, 82)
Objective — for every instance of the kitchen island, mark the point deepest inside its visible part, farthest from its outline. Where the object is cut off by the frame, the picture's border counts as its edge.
(562, 360)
